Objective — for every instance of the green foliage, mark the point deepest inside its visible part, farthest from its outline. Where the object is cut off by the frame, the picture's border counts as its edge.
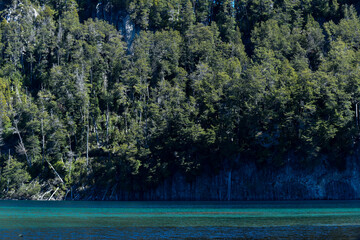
(14, 177)
(202, 83)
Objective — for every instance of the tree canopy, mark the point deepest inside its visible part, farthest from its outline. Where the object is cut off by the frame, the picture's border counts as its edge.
(203, 85)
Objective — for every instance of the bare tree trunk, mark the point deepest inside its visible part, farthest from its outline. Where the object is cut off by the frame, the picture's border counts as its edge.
(42, 196)
(31, 68)
(96, 132)
(107, 129)
(66, 194)
(112, 193)
(71, 157)
(53, 194)
(22, 146)
(18, 94)
(56, 173)
(87, 146)
(107, 189)
(357, 114)
(43, 141)
(8, 166)
(107, 124)
(70, 165)
(126, 127)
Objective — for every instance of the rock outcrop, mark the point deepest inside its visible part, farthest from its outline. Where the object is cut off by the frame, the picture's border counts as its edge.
(250, 182)
(120, 18)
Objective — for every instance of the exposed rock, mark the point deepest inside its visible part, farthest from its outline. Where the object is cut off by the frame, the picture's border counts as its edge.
(120, 18)
(250, 182)
(19, 10)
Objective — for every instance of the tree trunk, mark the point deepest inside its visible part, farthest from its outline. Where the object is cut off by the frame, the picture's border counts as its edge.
(56, 173)
(96, 132)
(53, 194)
(357, 115)
(22, 146)
(87, 146)
(107, 124)
(43, 141)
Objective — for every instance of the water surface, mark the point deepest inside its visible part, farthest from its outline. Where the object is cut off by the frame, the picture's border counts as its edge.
(180, 220)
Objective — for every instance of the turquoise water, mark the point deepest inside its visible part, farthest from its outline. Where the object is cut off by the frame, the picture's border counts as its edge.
(180, 220)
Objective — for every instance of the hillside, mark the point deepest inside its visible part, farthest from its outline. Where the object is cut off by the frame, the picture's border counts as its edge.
(103, 98)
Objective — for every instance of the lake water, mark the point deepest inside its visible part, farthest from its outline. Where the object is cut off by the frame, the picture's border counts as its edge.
(180, 220)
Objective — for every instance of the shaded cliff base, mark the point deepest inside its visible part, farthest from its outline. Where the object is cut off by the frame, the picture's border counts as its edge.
(248, 182)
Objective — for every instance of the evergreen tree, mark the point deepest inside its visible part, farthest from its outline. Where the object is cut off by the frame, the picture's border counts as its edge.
(203, 86)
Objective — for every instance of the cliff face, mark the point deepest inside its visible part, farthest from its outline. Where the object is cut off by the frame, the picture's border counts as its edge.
(252, 183)
(120, 18)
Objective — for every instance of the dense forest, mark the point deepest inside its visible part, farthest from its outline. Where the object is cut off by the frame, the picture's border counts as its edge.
(203, 85)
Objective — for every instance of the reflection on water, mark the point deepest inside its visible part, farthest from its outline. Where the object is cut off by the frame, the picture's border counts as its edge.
(180, 220)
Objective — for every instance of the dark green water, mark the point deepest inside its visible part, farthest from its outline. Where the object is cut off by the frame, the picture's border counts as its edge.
(180, 220)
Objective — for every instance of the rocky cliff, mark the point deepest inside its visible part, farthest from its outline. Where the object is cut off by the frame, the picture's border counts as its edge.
(250, 182)
(120, 18)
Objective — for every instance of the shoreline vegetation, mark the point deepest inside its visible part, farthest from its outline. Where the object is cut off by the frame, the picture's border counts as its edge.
(179, 99)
